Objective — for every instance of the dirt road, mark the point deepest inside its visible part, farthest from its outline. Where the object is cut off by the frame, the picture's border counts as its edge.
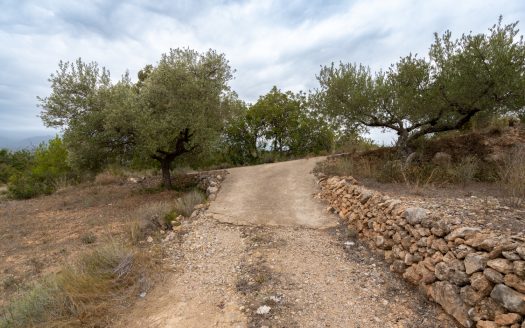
(278, 194)
(266, 255)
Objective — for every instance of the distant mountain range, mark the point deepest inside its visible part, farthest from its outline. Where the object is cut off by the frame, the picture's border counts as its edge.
(23, 143)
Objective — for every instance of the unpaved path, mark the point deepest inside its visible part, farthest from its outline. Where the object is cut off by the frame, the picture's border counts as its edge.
(266, 255)
(271, 194)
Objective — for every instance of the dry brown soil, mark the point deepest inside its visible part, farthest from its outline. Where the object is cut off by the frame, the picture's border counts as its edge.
(267, 255)
(38, 236)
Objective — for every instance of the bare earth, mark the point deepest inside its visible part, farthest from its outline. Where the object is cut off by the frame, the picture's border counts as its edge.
(268, 255)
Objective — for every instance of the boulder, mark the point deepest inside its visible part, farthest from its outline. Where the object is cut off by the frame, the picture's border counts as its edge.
(447, 295)
(509, 298)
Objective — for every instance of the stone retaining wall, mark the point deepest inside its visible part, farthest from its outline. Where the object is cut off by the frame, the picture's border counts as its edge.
(477, 276)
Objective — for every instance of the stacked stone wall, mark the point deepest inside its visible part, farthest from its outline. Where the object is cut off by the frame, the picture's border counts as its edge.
(476, 275)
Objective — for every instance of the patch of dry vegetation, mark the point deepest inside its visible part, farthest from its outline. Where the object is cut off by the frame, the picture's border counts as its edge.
(85, 293)
(88, 226)
(512, 173)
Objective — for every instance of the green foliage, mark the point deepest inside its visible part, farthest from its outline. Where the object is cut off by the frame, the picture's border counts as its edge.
(39, 173)
(278, 123)
(474, 75)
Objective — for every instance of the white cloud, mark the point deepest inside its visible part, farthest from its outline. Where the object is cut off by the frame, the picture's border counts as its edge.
(267, 42)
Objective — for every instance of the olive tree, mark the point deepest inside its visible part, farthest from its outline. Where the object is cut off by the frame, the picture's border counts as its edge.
(177, 108)
(462, 78)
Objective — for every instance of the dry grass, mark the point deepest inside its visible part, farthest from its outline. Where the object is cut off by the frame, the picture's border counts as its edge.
(186, 204)
(83, 294)
(512, 174)
(147, 218)
(107, 178)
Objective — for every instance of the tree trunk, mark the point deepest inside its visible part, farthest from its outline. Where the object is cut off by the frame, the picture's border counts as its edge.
(402, 144)
(166, 174)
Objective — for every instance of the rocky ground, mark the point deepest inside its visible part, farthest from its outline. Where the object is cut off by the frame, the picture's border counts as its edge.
(241, 272)
(228, 275)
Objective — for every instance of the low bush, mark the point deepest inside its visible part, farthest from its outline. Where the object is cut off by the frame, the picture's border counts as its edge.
(186, 204)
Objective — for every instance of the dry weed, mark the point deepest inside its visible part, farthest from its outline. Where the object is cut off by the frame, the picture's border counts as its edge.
(512, 175)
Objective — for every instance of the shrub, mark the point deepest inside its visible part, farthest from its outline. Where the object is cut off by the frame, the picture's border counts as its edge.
(185, 204)
(467, 169)
(25, 185)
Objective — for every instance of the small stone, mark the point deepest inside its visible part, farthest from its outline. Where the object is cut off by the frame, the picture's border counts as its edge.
(398, 266)
(470, 296)
(510, 255)
(519, 268)
(414, 215)
(486, 324)
(479, 282)
(440, 229)
(509, 298)
(142, 295)
(462, 233)
(475, 263)
(521, 251)
(264, 309)
(493, 275)
(502, 265)
(515, 282)
(149, 239)
(507, 318)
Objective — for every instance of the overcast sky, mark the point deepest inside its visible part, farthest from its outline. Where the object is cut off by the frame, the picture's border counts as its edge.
(281, 43)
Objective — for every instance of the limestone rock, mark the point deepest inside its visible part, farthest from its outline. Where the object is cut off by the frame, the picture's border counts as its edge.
(462, 251)
(501, 265)
(510, 255)
(507, 318)
(519, 268)
(462, 232)
(493, 275)
(447, 295)
(211, 190)
(509, 298)
(515, 282)
(474, 263)
(486, 309)
(486, 324)
(414, 215)
(521, 251)
(470, 296)
(398, 266)
(440, 229)
(479, 282)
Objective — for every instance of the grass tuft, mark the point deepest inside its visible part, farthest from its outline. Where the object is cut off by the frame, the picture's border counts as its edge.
(186, 204)
(83, 294)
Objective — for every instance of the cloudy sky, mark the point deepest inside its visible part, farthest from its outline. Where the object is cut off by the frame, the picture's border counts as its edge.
(281, 43)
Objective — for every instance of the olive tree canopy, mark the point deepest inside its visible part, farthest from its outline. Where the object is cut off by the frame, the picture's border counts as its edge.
(462, 78)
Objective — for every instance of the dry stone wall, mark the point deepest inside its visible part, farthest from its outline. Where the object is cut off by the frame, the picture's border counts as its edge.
(477, 276)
